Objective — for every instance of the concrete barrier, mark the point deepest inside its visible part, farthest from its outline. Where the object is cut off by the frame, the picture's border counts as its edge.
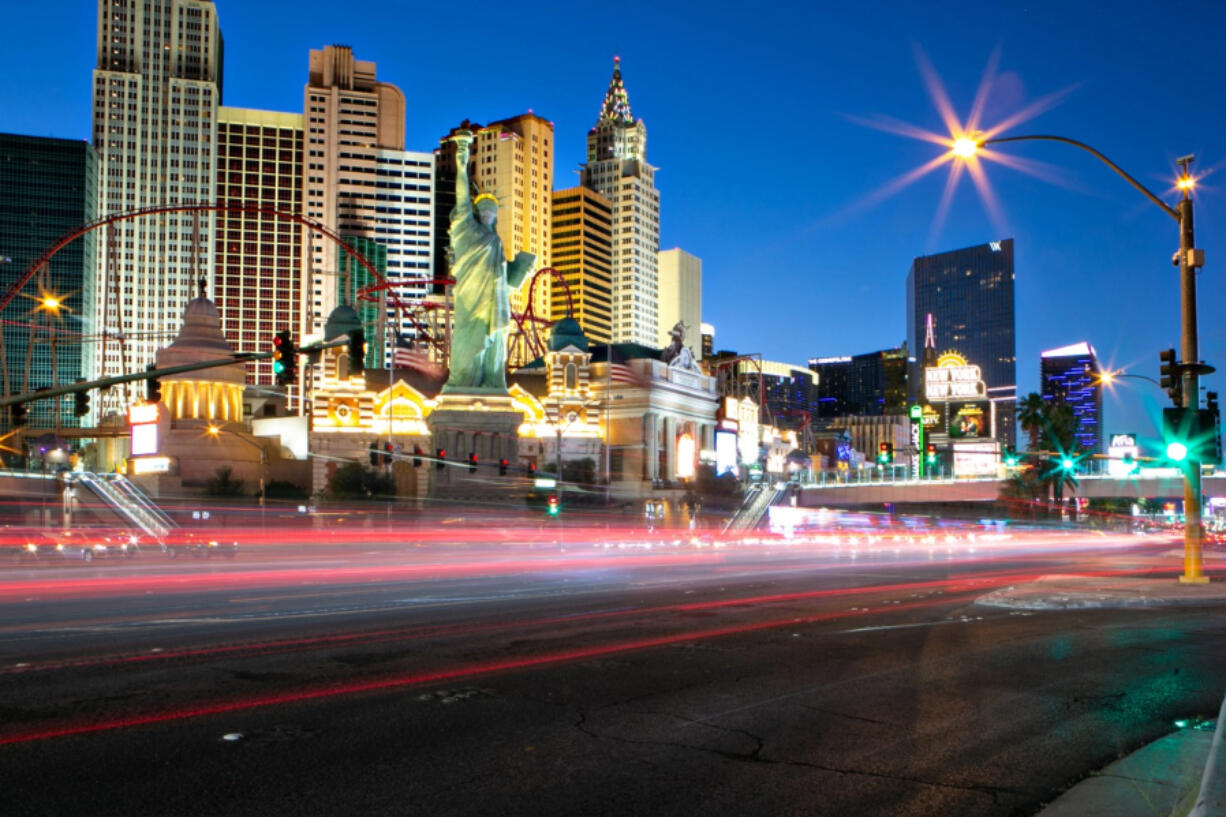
(1211, 802)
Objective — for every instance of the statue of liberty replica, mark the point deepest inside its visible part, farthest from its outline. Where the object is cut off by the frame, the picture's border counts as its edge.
(475, 415)
(484, 281)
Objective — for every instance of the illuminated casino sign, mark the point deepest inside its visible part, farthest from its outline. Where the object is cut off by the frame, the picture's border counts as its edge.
(953, 379)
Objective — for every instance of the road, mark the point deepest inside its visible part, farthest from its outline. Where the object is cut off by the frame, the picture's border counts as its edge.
(591, 676)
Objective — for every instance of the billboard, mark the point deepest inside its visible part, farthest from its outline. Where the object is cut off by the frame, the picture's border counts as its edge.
(969, 421)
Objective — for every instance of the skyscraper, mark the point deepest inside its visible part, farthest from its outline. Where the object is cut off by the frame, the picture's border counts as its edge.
(156, 91)
(349, 118)
(680, 299)
(47, 189)
(1070, 375)
(969, 293)
(873, 383)
(258, 289)
(583, 255)
(617, 168)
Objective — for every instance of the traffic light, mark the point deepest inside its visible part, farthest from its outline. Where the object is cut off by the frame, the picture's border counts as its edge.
(532, 469)
(1188, 435)
(357, 351)
(472, 461)
(441, 454)
(284, 359)
(417, 456)
(80, 402)
(1215, 422)
(1010, 457)
(374, 454)
(1067, 463)
(1130, 463)
(153, 386)
(17, 415)
(930, 454)
(1170, 376)
(553, 508)
(885, 453)
(502, 467)
(389, 453)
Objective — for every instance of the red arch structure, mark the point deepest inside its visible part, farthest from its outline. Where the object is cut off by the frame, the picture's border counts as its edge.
(525, 337)
(216, 207)
(528, 324)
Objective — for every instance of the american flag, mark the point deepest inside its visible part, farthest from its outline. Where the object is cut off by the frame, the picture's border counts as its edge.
(407, 356)
(621, 373)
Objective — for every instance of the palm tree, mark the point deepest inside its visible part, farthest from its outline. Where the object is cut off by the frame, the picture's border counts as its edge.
(1058, 435)
(1031, 411)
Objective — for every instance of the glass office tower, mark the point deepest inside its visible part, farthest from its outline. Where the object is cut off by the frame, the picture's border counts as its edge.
(1070, 375)
(969, 293)
(47, 189)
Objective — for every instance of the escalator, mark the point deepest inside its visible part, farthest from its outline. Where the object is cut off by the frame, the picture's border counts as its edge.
(126, 500)
(754, 508)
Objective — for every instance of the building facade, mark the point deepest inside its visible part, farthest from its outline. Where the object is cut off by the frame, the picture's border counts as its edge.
(156, 91)
(1071, 375)
(969, 294)
(680, 298)
(404, 224)
(617, 168)
(583, 256)
(258, 289)
(349, 117)
(47, 189)
(874, 383)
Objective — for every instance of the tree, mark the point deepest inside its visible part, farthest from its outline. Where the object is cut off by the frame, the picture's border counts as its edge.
(223, 483)
(579, 472)
(354, 481)
(1030, 415)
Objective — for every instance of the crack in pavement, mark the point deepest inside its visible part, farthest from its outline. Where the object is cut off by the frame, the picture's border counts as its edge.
(849, 717)
(755, 756)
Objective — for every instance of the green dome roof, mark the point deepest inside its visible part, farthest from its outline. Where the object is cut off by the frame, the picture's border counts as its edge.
(567, 332)
(343, 320)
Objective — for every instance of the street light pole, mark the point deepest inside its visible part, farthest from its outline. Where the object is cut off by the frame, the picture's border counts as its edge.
(1191, 367)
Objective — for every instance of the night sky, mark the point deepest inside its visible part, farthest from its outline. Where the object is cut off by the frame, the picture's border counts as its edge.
(755, 119)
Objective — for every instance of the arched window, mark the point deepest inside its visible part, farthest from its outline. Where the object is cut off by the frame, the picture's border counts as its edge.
(572, 377)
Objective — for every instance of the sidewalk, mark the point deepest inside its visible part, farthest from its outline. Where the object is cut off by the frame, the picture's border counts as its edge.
(1158, 780)
(1067, 592)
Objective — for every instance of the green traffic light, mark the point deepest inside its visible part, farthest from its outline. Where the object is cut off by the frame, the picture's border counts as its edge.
(1176, 451)
(1067, 463)
(278, 367)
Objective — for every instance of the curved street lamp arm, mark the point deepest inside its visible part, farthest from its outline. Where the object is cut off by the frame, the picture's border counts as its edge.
(1043, 137)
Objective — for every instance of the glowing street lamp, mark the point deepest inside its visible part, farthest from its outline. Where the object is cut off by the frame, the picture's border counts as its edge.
(1188, 259)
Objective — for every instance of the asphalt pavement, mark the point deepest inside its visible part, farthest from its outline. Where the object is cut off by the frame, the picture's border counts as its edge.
(588, 679)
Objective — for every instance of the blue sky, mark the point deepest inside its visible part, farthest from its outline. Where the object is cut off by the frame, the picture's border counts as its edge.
(752, 118)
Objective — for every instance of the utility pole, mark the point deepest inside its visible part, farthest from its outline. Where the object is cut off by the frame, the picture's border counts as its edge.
(1189, 259)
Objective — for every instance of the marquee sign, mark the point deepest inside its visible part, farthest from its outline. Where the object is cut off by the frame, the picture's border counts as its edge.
(953, 379)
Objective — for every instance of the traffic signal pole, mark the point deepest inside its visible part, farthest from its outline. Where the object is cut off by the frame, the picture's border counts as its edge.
(1194, 531)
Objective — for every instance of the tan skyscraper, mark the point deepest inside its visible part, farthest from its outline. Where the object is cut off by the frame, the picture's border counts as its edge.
(681, 297)
(348, 118)
(617, 168)
(582, 253)
(258, 286)
(156, 91)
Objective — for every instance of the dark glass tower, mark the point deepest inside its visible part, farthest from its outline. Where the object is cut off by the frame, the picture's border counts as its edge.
(47, 189)
(1070, 375)
(874, 383)
(969, 293)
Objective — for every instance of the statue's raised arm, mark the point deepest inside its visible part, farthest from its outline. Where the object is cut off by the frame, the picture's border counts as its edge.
(463, 199)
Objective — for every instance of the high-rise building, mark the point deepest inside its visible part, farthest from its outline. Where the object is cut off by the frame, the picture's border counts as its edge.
(617, 168)
(582, 254)
(349, 118)
(156, 91)
(1071, 375)
(352, 277)
(708, 340)
(47, 189)
(258, 287)
(680, 299)
(404, 224)
(870, 384)
(969, 293)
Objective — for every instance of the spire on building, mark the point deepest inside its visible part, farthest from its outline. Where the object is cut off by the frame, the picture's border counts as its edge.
(616, 100)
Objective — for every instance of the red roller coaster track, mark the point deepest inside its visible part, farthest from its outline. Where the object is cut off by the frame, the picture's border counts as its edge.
(527, 323)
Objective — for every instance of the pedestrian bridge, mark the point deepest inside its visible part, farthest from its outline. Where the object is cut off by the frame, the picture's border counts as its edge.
(1166, 483)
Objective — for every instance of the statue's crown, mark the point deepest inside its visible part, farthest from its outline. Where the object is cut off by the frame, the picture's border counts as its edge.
(483, 197)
